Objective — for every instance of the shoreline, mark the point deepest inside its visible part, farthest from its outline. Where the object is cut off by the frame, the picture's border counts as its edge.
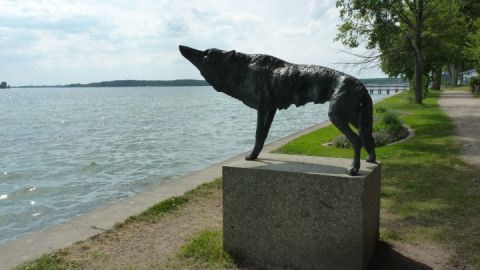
(89, 224)
(31, 246)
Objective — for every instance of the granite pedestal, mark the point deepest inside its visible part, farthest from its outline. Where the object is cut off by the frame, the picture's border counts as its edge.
(299, 212)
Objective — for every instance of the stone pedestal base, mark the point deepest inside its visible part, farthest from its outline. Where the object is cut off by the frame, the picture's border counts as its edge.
(299, 212)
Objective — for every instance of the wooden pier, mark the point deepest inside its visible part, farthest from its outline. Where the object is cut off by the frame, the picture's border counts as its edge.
(386, 89)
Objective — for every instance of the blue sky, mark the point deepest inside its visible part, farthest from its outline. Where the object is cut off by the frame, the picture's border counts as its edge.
(59, 42)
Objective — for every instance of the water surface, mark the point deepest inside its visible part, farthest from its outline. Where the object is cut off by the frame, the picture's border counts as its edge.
(66, 151)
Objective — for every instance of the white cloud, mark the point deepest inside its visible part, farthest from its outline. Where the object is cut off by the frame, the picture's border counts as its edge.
(59, 41)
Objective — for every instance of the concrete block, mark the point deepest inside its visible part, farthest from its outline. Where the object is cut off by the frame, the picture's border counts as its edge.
(300, 212)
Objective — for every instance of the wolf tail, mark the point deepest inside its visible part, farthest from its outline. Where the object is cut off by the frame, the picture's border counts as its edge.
(366, 123)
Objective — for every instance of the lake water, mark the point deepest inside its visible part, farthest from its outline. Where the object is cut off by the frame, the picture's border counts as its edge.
(66, 151)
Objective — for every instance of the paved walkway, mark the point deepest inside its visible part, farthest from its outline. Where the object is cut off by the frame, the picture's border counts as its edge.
(464, 110)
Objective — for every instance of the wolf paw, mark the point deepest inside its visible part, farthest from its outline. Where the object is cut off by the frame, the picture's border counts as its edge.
(371, 159)
(352, 171)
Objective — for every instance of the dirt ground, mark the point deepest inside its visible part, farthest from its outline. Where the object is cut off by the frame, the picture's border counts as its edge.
(147, 245)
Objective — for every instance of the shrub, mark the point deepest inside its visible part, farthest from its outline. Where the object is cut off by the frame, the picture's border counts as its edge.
(475, 84)
(387, 128)
(425, 82)
(387, 123)
(341, 142)
(380, 109)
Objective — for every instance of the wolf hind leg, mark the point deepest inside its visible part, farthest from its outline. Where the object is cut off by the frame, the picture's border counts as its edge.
(365, 133)
(342, 124)
(369, 144)
(366, 127)
(264, 122)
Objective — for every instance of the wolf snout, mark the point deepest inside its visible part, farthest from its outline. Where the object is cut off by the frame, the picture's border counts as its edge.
(183, 49)
(189, 52)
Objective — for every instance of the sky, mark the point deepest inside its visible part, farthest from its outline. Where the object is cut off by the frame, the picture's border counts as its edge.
(61, 42)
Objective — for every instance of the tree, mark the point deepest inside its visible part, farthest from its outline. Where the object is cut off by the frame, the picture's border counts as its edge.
(472, 49)
(3, 85)
(471, 11)
(397, 31)
(443, 39)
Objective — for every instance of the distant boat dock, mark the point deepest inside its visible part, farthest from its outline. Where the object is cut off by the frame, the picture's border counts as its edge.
(380, 89)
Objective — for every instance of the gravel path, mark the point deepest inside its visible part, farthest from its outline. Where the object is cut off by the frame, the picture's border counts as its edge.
(464, 110)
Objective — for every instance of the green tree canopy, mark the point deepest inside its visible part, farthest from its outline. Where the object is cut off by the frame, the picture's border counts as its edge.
(472, 48)
(412, 37)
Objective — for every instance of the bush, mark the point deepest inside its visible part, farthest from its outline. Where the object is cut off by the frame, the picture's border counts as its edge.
(341, 142)
(475, 84)
(387, 123)
(425, 90)
(387, 128)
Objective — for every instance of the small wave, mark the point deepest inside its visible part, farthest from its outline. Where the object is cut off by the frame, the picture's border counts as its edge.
(3, 196)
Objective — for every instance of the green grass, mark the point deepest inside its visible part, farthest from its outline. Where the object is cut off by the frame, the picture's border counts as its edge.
(432, 194)
(155, 212)
(53, 261)
(204, 251)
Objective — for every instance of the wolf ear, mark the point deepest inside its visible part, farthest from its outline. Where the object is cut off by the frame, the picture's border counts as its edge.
(230, 54)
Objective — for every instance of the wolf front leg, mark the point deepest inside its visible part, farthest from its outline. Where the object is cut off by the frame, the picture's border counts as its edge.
(264, 121)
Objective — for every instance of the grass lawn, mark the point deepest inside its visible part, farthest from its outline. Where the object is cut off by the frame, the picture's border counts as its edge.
(428, 193)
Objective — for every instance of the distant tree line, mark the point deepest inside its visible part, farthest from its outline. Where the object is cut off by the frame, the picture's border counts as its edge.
(134, 83)
(3, 85)
(130, 83)
(384, 81)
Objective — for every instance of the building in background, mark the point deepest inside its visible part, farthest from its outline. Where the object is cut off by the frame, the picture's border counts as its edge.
(464, 77)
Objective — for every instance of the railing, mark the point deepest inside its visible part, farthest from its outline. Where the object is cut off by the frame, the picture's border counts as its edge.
(382, 89)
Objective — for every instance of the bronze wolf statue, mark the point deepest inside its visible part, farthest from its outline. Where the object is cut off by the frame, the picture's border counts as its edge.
(268, 84)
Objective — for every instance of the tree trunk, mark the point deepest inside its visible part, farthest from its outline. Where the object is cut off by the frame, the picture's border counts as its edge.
(452, 75)
(418, 53)
(437, 77)
(418, 80)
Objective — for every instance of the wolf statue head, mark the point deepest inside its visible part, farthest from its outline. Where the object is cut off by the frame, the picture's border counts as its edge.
(224, 70)
(214, 64)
